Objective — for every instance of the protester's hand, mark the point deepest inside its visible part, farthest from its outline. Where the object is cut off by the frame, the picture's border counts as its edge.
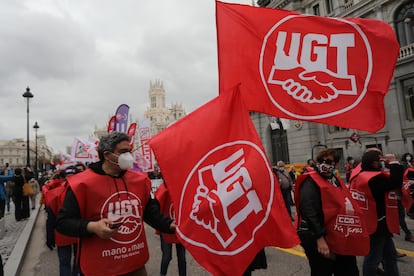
(101, 228)
(323, 247)
(390, 157)
(50, 245)
(173, 226)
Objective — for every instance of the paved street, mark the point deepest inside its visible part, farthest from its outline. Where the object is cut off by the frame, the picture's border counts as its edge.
(38, 260)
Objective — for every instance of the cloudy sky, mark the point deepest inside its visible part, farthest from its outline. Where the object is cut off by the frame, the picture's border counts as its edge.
(81, 59)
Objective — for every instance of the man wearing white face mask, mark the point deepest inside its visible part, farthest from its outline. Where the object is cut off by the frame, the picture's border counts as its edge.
(106, 207)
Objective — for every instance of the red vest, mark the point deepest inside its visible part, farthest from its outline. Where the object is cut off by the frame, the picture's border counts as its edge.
(118, 199)
(48, 187)
(355, 171)
(167, 209)
(346, 231)
(361, 192)
(55, 199)
(406, 198)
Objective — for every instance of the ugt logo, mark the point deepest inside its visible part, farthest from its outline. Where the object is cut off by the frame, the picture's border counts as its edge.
(302, 70)
(227, 207)
(124, 207)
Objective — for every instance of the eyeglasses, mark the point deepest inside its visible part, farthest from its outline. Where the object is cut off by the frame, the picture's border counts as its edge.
(328, 162)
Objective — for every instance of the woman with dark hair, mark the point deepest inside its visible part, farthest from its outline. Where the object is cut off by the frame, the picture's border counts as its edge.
(407, 159)
(21, 202)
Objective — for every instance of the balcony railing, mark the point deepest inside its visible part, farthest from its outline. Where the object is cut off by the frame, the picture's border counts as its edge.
(406, 52)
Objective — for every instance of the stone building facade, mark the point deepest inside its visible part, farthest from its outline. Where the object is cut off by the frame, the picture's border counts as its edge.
(297, 141)
(14, 152)
(159, 114)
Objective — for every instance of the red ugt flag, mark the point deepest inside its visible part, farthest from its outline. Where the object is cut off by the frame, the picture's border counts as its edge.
(327, 70)
(228, 202)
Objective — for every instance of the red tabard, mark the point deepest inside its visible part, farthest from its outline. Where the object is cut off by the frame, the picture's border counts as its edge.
(167, 209)
(55, 198)
(361, 192)
(118, 199)
(48, 187)
(346, 231)
(406, 198)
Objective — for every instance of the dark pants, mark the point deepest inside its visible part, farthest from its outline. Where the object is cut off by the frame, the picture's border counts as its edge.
(22, 209)
(1, 267)
(339, 265)
(382, 248)
(65, 257)
(401, 215)
(2, 206)
(166, 249)
(287, 197)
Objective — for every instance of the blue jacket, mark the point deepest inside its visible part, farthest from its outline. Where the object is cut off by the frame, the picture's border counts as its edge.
(3, 180)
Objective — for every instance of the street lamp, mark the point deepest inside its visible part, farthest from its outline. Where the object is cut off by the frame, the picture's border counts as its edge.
(36, 127)
(27, 95)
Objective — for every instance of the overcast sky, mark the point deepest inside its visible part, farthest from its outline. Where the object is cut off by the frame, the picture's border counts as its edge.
(82, 59)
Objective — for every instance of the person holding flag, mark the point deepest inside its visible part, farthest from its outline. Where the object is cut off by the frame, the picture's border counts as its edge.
(330, 223)
(106, 206)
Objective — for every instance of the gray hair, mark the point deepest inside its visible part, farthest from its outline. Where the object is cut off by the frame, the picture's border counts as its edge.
(109, 142)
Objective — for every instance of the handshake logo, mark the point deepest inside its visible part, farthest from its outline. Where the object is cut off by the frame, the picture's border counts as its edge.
(314, 68)
(296, 78)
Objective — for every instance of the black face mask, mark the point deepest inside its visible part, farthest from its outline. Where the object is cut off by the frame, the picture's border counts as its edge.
(326, 169)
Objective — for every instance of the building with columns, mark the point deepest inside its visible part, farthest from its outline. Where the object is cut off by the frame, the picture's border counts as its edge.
(159, 114)
(296, 141)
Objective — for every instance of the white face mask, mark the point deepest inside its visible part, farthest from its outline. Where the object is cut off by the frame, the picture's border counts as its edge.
(408, 158)
(125, 160)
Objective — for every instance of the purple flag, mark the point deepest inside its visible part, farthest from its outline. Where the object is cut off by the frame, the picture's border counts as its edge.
(121, 118)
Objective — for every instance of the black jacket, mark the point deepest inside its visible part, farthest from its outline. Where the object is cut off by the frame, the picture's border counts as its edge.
(69, 222)
(310, 213)
(379, 185)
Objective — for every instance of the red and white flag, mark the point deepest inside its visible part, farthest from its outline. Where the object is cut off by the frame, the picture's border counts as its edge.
(84, 150)
(327, 70)
(111, 124)
(228, 202)
(131, 133)
(144, 156)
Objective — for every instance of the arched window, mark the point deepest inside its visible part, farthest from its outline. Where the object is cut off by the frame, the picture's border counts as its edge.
(404, 23)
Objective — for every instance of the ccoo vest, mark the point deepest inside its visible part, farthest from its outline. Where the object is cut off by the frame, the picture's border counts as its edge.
(346, 232)
(361, 192)
(118, 199)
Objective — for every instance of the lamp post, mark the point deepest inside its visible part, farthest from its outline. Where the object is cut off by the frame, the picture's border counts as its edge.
(27, 95)
(36, 127)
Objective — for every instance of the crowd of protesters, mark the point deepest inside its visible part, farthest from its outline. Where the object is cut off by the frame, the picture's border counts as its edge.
(318, 191)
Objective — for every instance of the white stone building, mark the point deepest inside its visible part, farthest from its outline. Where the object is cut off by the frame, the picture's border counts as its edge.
(14, 152)
(157, 112)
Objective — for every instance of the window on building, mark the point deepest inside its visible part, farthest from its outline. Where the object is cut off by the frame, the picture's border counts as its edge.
(378, 146)
(404, 23)
(333, 129)
(153, 102)
(316, 10)
(408, 88)
(329, 6)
